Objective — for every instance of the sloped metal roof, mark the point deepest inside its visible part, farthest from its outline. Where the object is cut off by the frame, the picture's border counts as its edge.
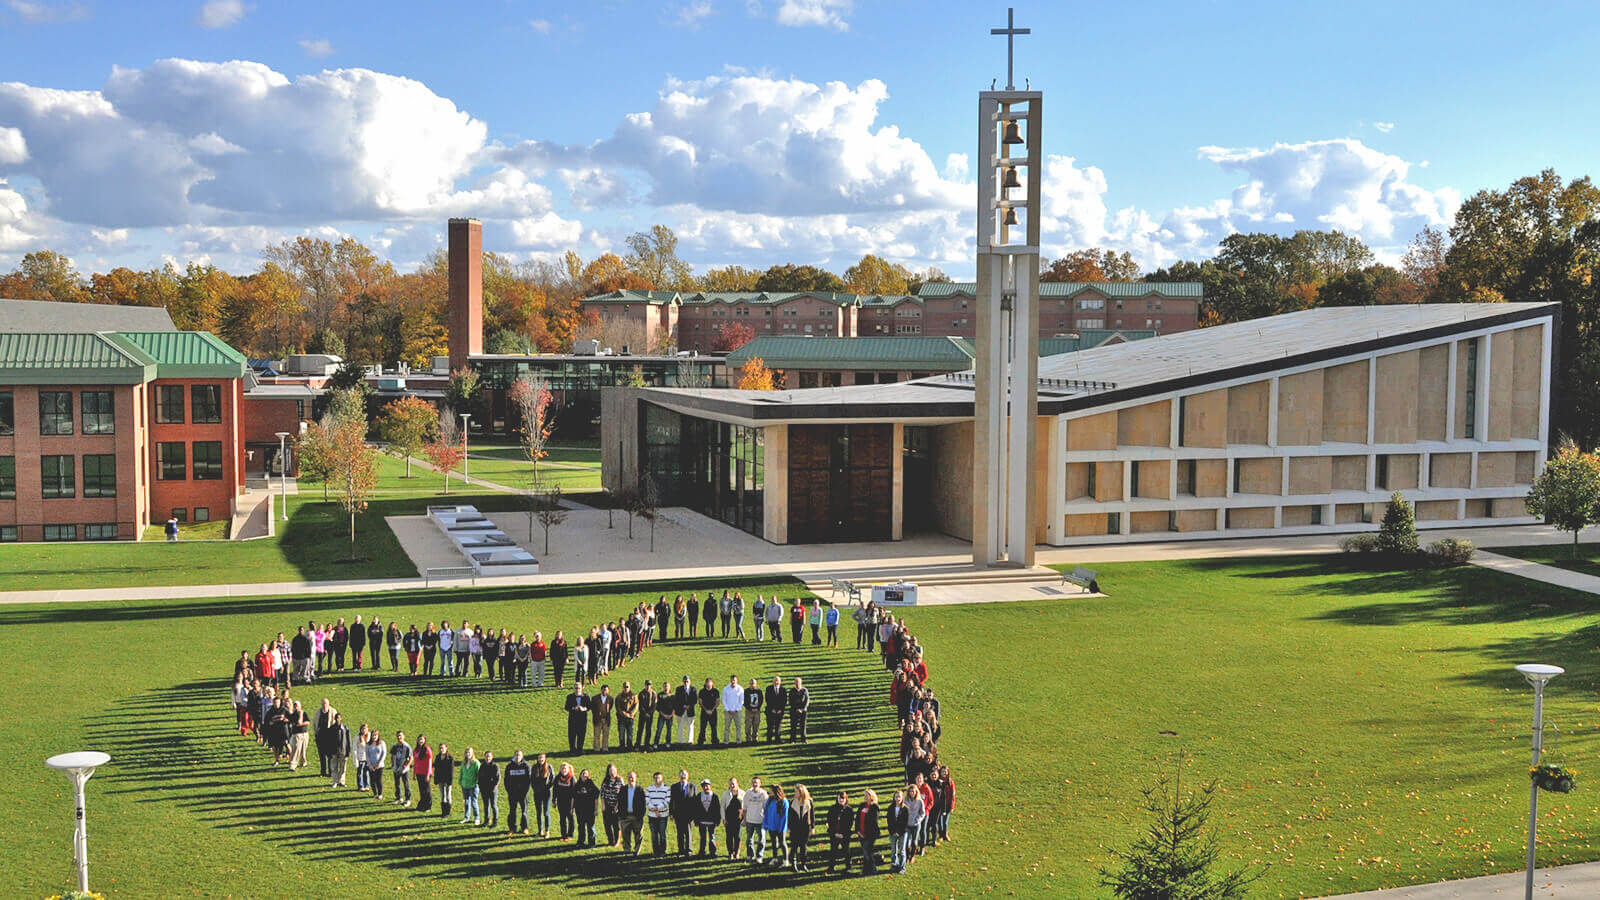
(71, 358)
(188, 354)
(1190, 290)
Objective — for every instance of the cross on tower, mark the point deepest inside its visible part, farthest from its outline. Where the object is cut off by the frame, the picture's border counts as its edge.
(1010, 31)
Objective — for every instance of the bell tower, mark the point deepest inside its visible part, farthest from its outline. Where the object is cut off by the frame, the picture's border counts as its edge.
(1006, 399)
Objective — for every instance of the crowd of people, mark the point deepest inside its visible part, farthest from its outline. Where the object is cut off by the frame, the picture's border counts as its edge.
(764, 825)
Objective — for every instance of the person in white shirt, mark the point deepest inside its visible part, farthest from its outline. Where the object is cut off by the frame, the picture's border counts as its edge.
(732, 709)
(657, 804)
(447, 646)
(463, 647)
(755, 809)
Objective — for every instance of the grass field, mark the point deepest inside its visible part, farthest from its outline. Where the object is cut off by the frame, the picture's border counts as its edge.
(1365, 727)
(214, 530)
(574, 467)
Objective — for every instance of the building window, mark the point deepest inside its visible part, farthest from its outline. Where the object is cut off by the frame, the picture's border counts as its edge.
(1091, 304)
(8, 478)
(207, 460)
(1172, 520)
(1471, 417)
(202, 513)
(8, 414)
(1091, 323)
(99, 416)
(205, 402)
(1380, 469)
(55, 412)
(1316, 515)
(60, 532)
(106, 532)
(1238, 473)
(1186, 473)
(808, 379)
(300, 409)
(99, 475)
(174, 465)
(181, 514)
(8, 534)
(1088, 481)
(55, 473)
(1133, 479)
(169, 404)
(1113, 523)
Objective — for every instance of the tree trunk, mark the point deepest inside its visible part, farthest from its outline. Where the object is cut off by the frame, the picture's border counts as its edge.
(352, 534)
(408, 465)
(652, 535)
(1574, 544)
(547, 540)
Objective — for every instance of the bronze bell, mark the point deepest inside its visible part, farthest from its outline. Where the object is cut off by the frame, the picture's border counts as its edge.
(1013, 134)
(1010, 217)
(1008, 178)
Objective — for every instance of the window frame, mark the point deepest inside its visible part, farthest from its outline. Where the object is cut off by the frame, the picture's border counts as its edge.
(56, 416)
(162, 462)
(8, 414)
(105, 420)
(206, 393)
(71, 531)
(97, 487)
(100, 536)
(213, 468)
(66, 484)
(162, 404)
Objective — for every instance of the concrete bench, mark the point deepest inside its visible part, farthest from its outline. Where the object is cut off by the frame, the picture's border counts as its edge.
(428, 575)
(1085, 578)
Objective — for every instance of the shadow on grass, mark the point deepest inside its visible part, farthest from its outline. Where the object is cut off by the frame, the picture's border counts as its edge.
(177, 746)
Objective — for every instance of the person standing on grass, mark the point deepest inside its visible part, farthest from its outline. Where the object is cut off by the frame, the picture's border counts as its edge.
(377, 756)
(799, 706)
(543, 777)
(841, 827)
(682, 804)
(299, 725)
(663, 612)
(475, 647)
(489, 789)
(611, 805)
(899, 829)
(444, 778)
(468, 778)
(319, 728)
(708, 611)
(647, 701)
(430, 649)
(814, 619)
(830, 618)
(755, 810)
(585, 795)
(777, 700)
(275, 726)
(172, 528)
(363, 738)
(802, 821)
(319, 648)
(759, 610)
(658, 805)
(632, 808)
(738, 615)
(775, 822)
(559, 652)
(725, 610)
(394, 639)
(577, 718)
(519, 778)
(412, 644)
(684, 701)
(732, 710)
(753, 698)
(447, 649)
(860, 615)
(300, 652)
(775, 619)
(627, 713)
(524, 660)
(867, 831)
(707, 806)
(600, 707)
(358, 641)
(693, 610)
(266, 671)
(422, 768)
(562, 787)
(680, 611)
(400, 761)
(710, 698)
(283, 660)
(375, 642)
(341, 642)
(463, 648)
(490, 645)
(732, 801)
(537, 653)
(580, 664)
(241, 704)
(339, 751)
(797, 620)
(666, 715)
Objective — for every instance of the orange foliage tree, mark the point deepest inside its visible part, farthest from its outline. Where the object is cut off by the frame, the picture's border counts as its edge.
(755, 376)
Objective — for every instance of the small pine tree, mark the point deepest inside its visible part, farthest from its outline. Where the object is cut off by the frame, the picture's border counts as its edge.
(1399, 531)
(1175, 858)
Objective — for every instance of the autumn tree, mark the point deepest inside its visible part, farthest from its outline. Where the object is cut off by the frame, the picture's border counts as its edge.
(1567, 493)
(653, 256)
(799, 278)
(464, 393)
(355, 471)
(406, 425)
(44, 275)
(530, 396)
(1093, 264)
(755, 376)
(444, 451)
(876, 275)
(549, 512)
(930, 275)
(1423, 265)
(314, 448)
(729, 278)
(1374, 285)
(732, 336)
(608, 272)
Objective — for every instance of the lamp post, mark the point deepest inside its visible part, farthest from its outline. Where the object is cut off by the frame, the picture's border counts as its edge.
(283, 474)
(1537, 675)
(466, 464)
(79, 766)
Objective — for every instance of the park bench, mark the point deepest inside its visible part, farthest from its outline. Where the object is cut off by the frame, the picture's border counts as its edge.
(448, 572)
(1085, 578)
(851, 592)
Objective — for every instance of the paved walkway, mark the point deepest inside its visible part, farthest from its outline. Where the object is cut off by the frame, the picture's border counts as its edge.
(1565, 882)
(1523, 568)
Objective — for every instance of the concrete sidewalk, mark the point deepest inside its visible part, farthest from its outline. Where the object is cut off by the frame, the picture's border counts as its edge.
(1564, 882)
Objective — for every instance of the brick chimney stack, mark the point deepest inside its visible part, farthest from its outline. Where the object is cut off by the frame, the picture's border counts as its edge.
(466, 290)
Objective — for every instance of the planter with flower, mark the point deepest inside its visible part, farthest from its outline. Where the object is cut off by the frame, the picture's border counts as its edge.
(1552, 778)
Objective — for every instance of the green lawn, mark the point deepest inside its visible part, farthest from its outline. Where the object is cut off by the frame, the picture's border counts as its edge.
(1365, 726)
(574, 467)
(214, 530)
(1586, 559)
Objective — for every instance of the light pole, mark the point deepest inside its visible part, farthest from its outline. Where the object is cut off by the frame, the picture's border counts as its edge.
(283, 474)
(1537, 675)
(79, 766)
(466, 464)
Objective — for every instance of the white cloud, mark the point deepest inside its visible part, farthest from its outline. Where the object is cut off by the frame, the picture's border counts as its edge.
(13, 219)
(316, 48)
(592, 187)
(221, 13)
(540, 25)
(548, 231)
(34, 12)
(690, 14)
(824, 13)
(13, 149)
(957, 167)
(110, 236)
(1384, 127)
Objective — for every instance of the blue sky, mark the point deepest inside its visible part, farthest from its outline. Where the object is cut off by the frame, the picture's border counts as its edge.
(770, 131)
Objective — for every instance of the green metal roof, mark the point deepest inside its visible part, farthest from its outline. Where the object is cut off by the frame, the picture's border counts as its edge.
(72, 358)
(944, 354)
(1175, 289)
(754, 298)
(187, 354)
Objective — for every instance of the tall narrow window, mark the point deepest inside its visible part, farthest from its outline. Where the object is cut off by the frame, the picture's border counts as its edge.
(205, 402)
(1183, 420)
(169, 404)
(99, 415)
(1380, 472)
(8, 414)
(1089, 481)
(1113, 523)
(1238, 475)
(56, 477)
(55, 412)
(8, 478)
(1471, 413)
(99, 475)
(1186, 474)
(1133, 479)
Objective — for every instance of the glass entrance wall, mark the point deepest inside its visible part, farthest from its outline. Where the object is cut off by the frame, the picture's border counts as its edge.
(714, 468)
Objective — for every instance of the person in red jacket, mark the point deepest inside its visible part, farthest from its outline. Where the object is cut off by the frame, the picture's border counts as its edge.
(422, 768)
(539, 651)
(265, 668)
